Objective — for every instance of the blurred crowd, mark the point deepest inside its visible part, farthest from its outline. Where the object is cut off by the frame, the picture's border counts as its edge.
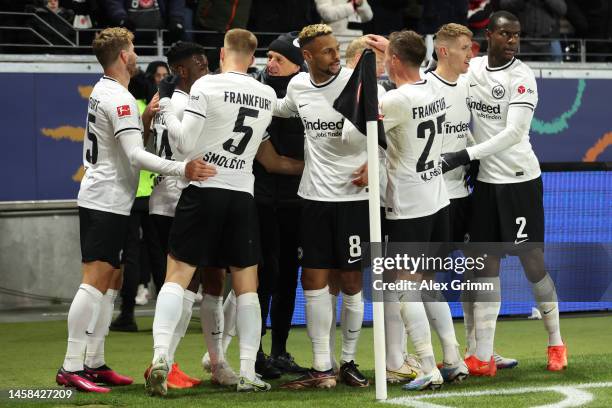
(551, 23)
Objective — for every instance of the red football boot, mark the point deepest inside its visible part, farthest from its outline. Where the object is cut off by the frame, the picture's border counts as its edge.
(107, 375)
(481, 368)
(79, 380)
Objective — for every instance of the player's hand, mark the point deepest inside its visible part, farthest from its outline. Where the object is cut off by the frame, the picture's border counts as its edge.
(361, 176)
(199, 170)
(377, 42)
(167, 85)
(453, 160)
(152, 108)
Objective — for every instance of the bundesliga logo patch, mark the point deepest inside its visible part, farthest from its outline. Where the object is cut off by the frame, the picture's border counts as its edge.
(123, 111)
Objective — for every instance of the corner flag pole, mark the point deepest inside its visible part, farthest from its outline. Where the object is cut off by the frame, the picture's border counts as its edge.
(380, 368)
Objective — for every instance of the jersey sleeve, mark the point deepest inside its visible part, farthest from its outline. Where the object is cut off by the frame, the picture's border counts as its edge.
(393, 109)
(123, 113)
(286, 107)
(523, 89)
(197, 104)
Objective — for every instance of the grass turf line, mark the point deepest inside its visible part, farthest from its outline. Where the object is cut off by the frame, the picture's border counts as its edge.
(32, 353)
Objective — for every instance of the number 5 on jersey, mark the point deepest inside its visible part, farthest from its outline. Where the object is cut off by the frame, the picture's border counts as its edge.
(91, 155)
(238, 147)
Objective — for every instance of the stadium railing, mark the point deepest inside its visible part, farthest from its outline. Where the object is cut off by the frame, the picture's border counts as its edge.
(29, 33)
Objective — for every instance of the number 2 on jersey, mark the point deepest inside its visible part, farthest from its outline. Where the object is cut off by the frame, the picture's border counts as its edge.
(239, 126)
(91, 155)
(428, 126)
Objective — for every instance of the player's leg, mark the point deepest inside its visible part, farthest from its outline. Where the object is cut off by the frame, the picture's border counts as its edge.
(334, 292)
(248, 325)
(95, 364)
(213, 325)
(529, 231)
(352, 228)
(351, 321)
(417, 230)
(240, 248)
(268, 274)
(484, 226)
(436, 306)
(102, 236)
(318, 260)
(130, 260)
(189, 245)
(177, 378)
(283, 298)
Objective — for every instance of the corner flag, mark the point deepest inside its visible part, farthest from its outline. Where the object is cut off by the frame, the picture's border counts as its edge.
(358, 102)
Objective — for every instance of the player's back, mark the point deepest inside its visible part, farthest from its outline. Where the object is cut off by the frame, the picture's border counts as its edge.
(110, 182)
(492, 92)
(237, 110)
(414, 117)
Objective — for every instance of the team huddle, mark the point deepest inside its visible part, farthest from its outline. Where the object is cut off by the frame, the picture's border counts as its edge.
(209, 129)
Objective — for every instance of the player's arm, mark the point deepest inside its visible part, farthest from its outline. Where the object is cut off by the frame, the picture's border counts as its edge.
(268, 157)
(123, 114)
(286, 108)
(523, 100)
(183, 134)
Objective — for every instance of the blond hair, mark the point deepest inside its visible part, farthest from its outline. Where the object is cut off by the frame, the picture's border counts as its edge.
(240, 41)
(452, 31)
(355, 48)
(310, 32)
(109, 42)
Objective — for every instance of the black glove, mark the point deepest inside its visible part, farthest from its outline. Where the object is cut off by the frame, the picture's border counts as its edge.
(453, 160)
(167, 85)
(433, 62)
(471, 173)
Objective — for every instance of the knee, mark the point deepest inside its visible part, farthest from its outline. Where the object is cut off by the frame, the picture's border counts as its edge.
(351, 282)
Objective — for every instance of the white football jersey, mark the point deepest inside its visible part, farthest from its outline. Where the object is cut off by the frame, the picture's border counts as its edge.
(414, 116)
(236, 109)
(167, 190)
(110, 182)
(329, 162)
(492, 92)
(456, 128)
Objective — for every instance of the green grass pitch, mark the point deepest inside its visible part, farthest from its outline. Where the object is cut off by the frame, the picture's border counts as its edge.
(32, 352)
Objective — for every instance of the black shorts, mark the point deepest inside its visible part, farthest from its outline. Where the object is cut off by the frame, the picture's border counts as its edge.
(511, 213)
(215, 227)
(332, 233)
(431, 228)
(103, 236)
(459, 218)
(429, 234)
(162, 225)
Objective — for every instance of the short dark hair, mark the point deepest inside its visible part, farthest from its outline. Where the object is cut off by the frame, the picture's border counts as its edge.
(408, 46)
(495, 17)
(183, 50)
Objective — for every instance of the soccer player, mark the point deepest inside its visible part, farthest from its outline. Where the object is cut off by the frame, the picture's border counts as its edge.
(335, 212)
(507, 197)
(215, 223)
(188, 62)
(113, 152)
(417, 201)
